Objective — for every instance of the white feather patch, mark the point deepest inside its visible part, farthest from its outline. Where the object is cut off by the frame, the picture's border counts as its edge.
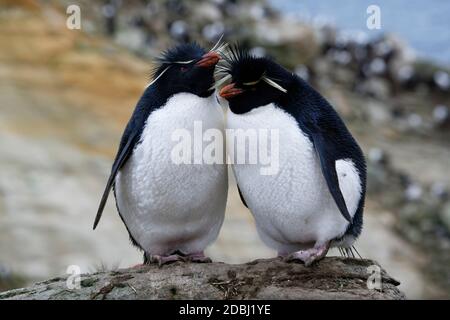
(166, 206)
(294, 208)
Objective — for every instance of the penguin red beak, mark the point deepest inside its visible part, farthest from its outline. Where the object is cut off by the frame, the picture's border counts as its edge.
(229, 91)
(209, 59)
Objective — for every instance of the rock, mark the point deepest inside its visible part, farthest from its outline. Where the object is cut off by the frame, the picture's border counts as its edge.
(445, 216)
(295, 36)
(302, 71)
(415, 121)
(8, 279)
(404, 73)
(441, 116)
(413, 192)
(212, 32)
(442, 80)
(378, 156)
(377, 112)
(208, 11)
(258, 52)
(375, 87)
(131, 38)
(377, 178)
(179, 29)
(377, 66)
(439, 190)
(256, 11)
(331, 278)
(342, 57)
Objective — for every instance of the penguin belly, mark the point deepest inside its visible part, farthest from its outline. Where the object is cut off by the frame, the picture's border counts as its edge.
(168, 206)
(293, 208)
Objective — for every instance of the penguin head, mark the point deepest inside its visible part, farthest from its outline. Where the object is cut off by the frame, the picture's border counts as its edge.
(255, 81)
(186, 68)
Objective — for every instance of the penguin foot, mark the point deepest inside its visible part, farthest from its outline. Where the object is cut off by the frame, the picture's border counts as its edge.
(308, 256)
(162, 260)
(198, 257)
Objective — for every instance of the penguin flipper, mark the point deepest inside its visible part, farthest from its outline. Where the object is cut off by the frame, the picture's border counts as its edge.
(122, 156)
(242, 197)
(328, 166)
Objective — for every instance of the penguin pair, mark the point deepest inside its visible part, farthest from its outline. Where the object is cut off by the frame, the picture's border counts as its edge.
(174, 212)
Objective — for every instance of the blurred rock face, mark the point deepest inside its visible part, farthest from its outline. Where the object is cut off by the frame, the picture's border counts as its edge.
(65, 102)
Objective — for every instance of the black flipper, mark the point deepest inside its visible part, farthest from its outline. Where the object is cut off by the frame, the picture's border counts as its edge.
(149, 102)
(325, 151)
(331, 140)
(126, 147)
(242, 197)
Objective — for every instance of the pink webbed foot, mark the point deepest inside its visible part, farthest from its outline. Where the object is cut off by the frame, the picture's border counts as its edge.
(162, 260)
(308, 256)
(198, 257)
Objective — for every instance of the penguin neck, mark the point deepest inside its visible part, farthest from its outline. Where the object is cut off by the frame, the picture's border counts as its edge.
(161, 94)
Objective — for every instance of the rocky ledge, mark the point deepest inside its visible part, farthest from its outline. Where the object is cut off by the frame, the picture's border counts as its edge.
(331, 278)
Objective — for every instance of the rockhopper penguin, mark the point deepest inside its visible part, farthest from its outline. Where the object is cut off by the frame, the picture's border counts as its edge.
(316, 198)
(171, 211)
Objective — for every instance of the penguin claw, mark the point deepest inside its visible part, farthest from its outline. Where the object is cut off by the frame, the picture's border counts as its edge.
(301, 257)
(162, 260)
(198, 258)
(309, 256)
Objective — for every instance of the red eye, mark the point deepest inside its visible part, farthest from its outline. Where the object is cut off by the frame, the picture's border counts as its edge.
(183, 69)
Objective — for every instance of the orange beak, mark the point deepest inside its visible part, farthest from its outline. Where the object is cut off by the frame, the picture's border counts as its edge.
(209, 59)
(229, 91)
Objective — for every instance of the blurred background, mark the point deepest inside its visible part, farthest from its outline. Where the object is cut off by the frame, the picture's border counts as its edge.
(66, 95)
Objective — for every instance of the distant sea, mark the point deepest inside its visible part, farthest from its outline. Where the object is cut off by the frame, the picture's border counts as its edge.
(424, 25)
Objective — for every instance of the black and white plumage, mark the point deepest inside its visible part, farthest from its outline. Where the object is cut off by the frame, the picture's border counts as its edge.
(316, 198)
(171, 211)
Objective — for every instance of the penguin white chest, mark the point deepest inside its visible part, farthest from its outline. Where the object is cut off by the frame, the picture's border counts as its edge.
(293, 207)
(168, 206)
